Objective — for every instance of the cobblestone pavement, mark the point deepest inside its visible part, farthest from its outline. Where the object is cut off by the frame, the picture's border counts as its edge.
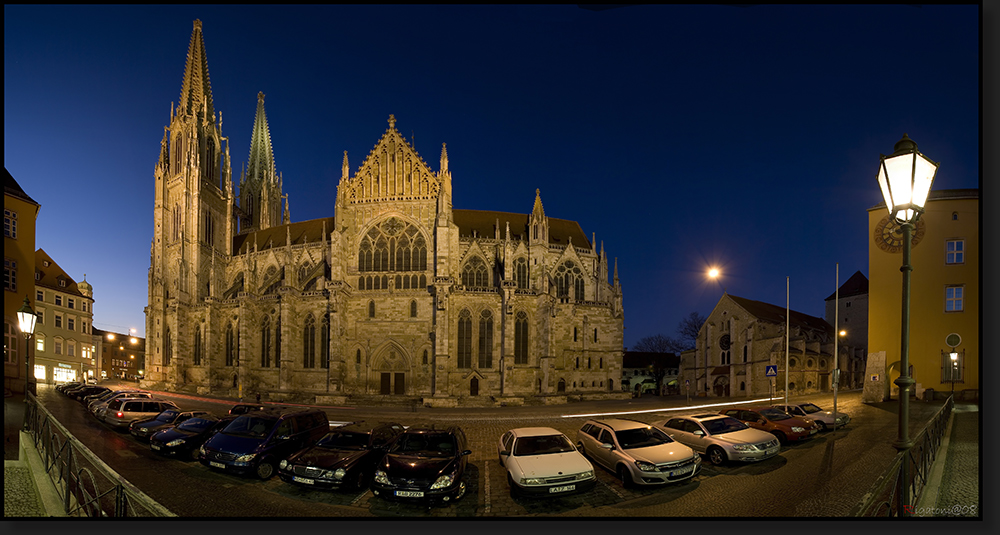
(20, 496)
(959, 494)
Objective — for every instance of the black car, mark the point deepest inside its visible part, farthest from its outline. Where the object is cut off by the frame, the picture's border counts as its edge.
(243, 408)
(81, 392)
(143, 429)
(96, 394)
(345, 457)
(424, 463)
(66, 386)
(183, 440)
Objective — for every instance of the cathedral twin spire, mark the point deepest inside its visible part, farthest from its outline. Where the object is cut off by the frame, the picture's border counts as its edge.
(196, 89)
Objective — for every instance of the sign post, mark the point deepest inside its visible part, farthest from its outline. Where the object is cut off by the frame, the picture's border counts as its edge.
(687, 390)
(771, 371)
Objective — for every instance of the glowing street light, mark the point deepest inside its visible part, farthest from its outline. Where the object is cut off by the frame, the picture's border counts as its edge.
(26, 322)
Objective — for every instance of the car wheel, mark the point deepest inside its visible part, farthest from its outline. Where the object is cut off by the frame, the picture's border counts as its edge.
(780, 436)
(193, 454)
(265, 470)
(626, 476)
(717, 455)
(579, 446)
(822, 425)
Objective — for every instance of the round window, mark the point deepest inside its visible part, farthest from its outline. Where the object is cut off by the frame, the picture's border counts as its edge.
(809, 363)
(791, 386)
(792, 363)
(822, 364)
(809, 384)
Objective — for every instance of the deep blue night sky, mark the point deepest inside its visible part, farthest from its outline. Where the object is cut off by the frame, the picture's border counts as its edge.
(683, 136)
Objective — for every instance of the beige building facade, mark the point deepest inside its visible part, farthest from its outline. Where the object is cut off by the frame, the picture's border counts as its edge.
(398, 297)
(63, 342)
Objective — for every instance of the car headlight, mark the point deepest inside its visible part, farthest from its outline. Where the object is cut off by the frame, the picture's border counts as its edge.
(175, 442)
(589, 474)
(246, 457)
(201, 450)
(444, 481)
(532, 481)
(645, 467)
(338, 473)
(797, 429)
(381, 477)
(742, 447)
(283, 464)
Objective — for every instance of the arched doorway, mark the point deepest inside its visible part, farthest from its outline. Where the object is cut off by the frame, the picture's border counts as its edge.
(474, 386)
(390, 368)
(721, 386)
(561, 385)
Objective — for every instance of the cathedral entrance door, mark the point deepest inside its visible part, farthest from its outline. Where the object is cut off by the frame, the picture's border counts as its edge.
(400, 384)
(386, 384)
(474, 387)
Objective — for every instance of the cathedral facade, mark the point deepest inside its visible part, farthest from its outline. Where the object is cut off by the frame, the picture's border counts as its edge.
(396, 297)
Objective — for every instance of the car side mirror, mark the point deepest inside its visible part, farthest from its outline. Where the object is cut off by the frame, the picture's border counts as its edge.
(762, 421)
(504, 452)
(607, 446)
(466, 452)
(698, 433)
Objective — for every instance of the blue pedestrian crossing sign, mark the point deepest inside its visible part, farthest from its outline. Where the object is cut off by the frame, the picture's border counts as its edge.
(771, 371)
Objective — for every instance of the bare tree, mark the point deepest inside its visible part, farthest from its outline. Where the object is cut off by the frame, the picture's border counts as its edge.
(688, 329)
(657, 343)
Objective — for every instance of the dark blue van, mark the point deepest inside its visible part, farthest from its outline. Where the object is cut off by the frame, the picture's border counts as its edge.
(256, 442)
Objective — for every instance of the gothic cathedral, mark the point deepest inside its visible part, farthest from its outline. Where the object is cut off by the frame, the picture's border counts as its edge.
(396, 298)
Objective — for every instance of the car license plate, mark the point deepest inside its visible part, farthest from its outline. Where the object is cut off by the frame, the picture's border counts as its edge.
(303, 480)
(215, 464)
(679, 472)
(410, 493)
(564, 488)
(155, 447)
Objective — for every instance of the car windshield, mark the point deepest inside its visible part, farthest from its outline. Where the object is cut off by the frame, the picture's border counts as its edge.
(196, 424)
(436, 444)
(542, 445)
(641, 438)
(251, 426)
(167, 416)
(809, 408)
(774, 414)
(720, 426)
(344, 440)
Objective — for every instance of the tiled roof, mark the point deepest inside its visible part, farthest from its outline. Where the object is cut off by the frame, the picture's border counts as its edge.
(856, 285)
(12, 188)
(311, 230)
(775, 314)
(52, 274)
(483, 221)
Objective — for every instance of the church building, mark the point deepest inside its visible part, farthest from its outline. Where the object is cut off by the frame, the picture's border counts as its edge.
(397, 297)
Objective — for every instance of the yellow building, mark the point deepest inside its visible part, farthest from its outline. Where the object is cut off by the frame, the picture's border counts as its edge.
(19, 213)
(944, 298)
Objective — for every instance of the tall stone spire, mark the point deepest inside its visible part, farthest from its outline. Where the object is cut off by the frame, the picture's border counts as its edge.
(196, 89)
(261, 163)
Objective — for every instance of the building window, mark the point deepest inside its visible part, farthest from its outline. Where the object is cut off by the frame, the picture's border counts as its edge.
(952, 371)
(83, 327)
(58, 300)
(574, 334)
(521, 273)
(475, 274)
(955, 252)
(393, 246)
(70, 349)
(58, 321)
(358, 357)
(954, 216)
(465, 339)
(197, 345)
(309, 343)
(371, 309)
(569, 278)
(265, 342)
(10, 341)
(486, 339)
(41, 317)
(39, 343)
(62, 283)
(953, 298)
(744, 352)
(521, 339)
(209, 228)
(70, 324)
(70, 303)
(58, 347)
(413, 309)
(9, 275)
(595, 335)
(230, 346)
(425, 357)
(40, 296)
(84, 305)
(9, 224)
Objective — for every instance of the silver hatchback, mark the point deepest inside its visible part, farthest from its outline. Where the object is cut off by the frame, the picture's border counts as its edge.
(637, 452)
(721, 438)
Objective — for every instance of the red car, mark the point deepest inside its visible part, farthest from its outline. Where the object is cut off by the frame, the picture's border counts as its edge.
(775, 421)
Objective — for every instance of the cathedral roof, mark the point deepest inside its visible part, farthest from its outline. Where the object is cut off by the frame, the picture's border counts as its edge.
(52, 274)
(301, 232)
(856, 285)
(261, 163)
(775, 314)
(483, 222)
(196, 90)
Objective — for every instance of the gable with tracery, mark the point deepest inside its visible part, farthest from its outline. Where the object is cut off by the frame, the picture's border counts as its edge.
(393, 171)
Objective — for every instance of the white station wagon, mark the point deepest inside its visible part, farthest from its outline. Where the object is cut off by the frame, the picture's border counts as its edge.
(541, 461)
(638, 453)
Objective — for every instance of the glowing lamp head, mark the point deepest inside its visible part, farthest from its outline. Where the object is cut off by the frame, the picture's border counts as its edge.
(905, 178)
(26, 319)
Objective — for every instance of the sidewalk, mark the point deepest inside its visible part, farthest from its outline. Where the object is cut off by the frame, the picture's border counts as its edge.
(952, 488)
(27, 489)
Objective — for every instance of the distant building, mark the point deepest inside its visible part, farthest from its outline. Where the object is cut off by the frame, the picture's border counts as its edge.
(64, 348)
(19, 214)
(641, 368)
(396, 297)
(120, 355)
(852, 321)
(741, 337)
(944, 298)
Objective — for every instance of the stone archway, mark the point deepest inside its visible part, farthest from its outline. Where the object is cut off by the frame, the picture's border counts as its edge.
(720, 386)
(390, 370)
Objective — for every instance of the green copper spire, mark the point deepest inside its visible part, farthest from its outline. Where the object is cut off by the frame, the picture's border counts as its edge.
(261, 165)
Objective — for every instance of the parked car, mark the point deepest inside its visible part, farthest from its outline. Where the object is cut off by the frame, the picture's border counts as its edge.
(66, 386)
(71, 391)
(825, 419)
(785, 427)
(99, 394)
(143, 429)
(543, 461)
(424, 463)
(345, 457)
(721, 438)
(243, 408)
(256, 442)
(637, 452)
(183, 440)
(98, 408)
(80, 393)
(121, 412)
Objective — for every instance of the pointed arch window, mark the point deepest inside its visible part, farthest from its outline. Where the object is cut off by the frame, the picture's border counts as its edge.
(413, 309)
(230, 346)
(465, 339)
(309, 343)
(486, 339)
(371, 309)
(394, 246)
(211, 160)
(569, 278)
(197, 345)
(475, 273)
(521, 338)
(521, 273)
(265, 342)
(177, 154)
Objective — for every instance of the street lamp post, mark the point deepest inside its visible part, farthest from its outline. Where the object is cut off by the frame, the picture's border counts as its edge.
(26, 322)
(905, 178)
(954, 368)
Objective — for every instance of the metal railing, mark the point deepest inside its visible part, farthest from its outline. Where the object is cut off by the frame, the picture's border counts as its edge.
(87, 486)
(886, 498)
